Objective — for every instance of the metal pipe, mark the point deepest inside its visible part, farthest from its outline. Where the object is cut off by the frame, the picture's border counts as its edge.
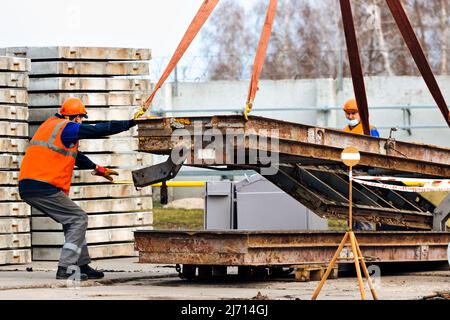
(172, 184)
(296, 109)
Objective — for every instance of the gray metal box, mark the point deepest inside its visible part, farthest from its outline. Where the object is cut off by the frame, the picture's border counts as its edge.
(260, 205)
(219, 205)
(256, 204)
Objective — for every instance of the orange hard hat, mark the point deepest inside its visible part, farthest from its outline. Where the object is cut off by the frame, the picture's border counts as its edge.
(73, 107)
(351, 105)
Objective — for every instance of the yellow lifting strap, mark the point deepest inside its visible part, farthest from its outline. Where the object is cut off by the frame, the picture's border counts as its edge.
(260, 56)
(197, 23)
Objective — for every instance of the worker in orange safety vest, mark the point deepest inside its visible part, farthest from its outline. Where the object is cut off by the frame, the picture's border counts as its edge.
(46, 174)
(353, 120)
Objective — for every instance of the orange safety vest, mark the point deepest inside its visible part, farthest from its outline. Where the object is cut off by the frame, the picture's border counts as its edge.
(358, 129)
(47, 159)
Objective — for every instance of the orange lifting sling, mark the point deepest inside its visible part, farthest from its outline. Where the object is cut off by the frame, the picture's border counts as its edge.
(199, 20)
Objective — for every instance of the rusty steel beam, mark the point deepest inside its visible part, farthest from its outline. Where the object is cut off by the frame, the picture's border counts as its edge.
(407, 31)
(355, 64)
(298, 143)
(277, 248)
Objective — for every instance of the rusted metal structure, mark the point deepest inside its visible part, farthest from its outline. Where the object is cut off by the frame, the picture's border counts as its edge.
(284, 248)
(307, 165)
(309, 168)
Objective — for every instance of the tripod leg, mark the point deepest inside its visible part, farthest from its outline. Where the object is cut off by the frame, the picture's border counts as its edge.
(366, 272)
(358, 270)
(330, 267)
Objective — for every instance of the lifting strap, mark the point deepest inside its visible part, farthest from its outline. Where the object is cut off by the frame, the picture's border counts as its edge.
(403, 23)
(260, 56)
(197, 23)
(355, 64)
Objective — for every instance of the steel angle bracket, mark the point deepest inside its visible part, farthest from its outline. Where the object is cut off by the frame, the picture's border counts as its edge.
(157, 173)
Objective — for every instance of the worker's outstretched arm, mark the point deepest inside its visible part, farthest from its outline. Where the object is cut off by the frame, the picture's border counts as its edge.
(103, 129)
(76, 131)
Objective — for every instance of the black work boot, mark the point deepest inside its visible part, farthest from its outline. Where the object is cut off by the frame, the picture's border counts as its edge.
(63, 274)
(91, 273)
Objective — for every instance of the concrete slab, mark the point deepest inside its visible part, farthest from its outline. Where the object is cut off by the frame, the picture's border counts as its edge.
(89, 68)
(107, 191)
(18, 256)
(88, 84)
(14, 96)
(9, 178)
(95, 114)
(108, 206)
(13, 129)
(13, 145)
(109, 145)
(9, 194)
(85, 176)
(129, 98)
(56, 238)
(13, 112)
(14, 209)
(14, 225)
(15, 241)
(14, 80)
(78, 53)
(95, 251)
(99, 221)
(129, 160)
(8, 63)
(9, 161)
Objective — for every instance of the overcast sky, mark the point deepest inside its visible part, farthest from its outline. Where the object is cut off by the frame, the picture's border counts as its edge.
(155, 24)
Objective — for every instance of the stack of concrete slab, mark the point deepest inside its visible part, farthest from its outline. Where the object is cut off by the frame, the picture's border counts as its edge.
(112, 82)
(15, 236)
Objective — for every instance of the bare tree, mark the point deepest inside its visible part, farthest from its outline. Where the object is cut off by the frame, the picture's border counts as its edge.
(307, 39)
(224, 41)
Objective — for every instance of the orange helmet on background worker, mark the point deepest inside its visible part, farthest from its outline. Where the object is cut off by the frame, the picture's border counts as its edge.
(351, 106)
(353, 120)
(73, 107)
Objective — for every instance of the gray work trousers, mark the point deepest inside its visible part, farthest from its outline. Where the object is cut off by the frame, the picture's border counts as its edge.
(60, 208)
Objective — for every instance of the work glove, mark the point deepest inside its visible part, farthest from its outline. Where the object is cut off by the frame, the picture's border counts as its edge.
(139, 113)
(104, 172)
